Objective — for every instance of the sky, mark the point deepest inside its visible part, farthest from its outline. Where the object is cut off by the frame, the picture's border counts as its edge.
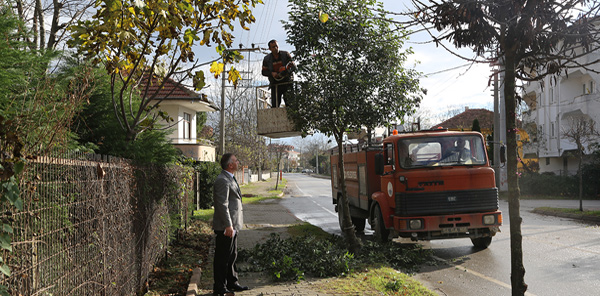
(451, 83)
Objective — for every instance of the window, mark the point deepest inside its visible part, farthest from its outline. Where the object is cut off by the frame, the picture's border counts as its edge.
(552, 128)
(552, 95)
(388, 154)
(584, 89)
(547, 160)
(187, 126)
(591, 90)
(442, 151)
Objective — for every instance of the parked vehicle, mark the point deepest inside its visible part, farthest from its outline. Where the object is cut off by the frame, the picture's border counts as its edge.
(424, 185)
(307, 171)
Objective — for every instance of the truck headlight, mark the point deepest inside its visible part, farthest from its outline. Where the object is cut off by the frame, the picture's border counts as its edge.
(489, 219)
(415, 224)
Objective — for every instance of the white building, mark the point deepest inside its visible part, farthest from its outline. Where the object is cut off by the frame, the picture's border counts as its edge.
(553, 104)
(181, 105)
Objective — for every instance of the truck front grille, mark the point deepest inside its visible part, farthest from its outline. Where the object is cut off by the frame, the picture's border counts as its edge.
(447, 202)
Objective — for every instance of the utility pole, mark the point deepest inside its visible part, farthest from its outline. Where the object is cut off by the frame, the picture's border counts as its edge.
(223, 80)
(496, 141)
(222, 123)
(317, 167)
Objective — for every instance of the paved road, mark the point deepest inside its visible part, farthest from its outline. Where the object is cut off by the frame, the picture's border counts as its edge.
(561, 256)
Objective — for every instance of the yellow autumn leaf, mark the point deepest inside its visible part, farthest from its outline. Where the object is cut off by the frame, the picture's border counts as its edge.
(234, 76)
(323, 17)
(216, 68)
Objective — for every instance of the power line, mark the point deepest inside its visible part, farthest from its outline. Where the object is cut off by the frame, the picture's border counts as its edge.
(450, 69)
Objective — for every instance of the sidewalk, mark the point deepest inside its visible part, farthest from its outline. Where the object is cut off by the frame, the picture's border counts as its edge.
(260, 220)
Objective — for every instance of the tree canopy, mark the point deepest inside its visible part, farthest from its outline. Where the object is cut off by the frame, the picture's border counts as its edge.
(139, 39)
(351, 73)
(351, 67)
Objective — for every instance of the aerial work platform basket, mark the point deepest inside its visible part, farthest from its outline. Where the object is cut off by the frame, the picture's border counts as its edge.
(272, 122)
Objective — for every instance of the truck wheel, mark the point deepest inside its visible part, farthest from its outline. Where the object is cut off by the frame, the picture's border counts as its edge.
(381, 233)
(359, 224)
(481, 242)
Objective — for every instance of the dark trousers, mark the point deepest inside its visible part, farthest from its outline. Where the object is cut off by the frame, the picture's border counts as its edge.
(224, 261)
(277, 91)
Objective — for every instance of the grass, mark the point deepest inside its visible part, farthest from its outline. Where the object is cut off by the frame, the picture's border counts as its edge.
(569, 211)
(308, 229)
(207, 214)
(377, 281)
(204, 214)
(271, 192)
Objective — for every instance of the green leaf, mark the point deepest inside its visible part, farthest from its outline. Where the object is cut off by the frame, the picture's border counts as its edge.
(18, 204)
(19, 167)
(7, 228)
(5, 270)
(199, 80)
(5, 242)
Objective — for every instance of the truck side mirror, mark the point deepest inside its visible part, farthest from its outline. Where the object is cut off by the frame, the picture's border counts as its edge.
(379, 164)
(502, 154)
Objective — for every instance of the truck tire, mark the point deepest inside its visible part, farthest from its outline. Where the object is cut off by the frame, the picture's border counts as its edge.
(381, 234)
(481, 242)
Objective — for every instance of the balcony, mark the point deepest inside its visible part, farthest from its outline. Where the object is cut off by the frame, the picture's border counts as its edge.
(530, 150)
(201, 150)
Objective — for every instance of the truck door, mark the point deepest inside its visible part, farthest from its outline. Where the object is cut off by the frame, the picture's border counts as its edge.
(387, 180)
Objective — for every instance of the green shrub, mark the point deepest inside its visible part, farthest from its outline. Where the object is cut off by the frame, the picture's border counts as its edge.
(552, 185)
(206, 172)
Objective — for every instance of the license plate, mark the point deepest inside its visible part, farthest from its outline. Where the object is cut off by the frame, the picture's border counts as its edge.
(454, 230)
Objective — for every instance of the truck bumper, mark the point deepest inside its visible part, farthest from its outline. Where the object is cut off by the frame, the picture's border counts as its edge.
(471, 225)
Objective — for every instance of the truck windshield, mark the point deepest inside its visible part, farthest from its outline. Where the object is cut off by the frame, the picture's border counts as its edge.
(441, 151)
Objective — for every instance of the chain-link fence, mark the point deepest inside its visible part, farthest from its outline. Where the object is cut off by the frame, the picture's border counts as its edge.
(92, 225)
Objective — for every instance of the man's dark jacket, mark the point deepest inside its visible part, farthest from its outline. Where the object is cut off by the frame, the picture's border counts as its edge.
(268, 63)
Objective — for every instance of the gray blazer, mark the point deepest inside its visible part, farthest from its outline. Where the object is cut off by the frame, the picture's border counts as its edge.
(227, 200)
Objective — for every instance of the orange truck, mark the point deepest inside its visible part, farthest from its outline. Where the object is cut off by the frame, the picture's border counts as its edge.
(425, 185)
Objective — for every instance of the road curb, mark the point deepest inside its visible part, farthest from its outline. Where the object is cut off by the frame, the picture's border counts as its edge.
(192, 289)
(584, 218)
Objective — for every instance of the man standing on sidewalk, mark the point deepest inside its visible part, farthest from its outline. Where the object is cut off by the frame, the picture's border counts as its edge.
(227, 222)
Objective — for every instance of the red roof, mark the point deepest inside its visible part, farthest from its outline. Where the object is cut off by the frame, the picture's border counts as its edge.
(170, 90)
(464, 121)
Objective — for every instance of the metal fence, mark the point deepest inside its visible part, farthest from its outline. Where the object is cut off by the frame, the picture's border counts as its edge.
(92, 225)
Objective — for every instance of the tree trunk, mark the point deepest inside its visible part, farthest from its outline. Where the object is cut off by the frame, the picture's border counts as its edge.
(54, 27)
(516, 239)
(277, 178)
(42, 29)
(580, 181)
(348, 229)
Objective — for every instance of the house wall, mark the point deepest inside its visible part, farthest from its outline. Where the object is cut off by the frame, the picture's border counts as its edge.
(198, 151)
(176, 112)
(559, 165)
